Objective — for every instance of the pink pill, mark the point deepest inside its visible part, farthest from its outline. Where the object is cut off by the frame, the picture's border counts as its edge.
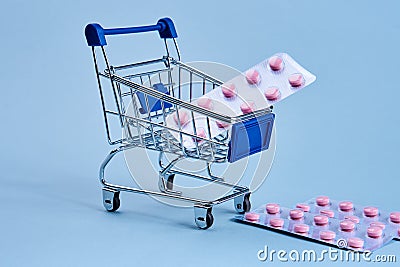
(296, 214)
(328, 213)
(346, 206)
(327, 235)
(352, 218)
(272, 93)
(253, 77)
(276, 63)
(252, 216)
(276, 222)
(247, 107)
(296, 80)
(303, 207)
(301, 228)
(222, 124)
(183, 117)
(321, 220)
(273, 208)
(371, 212)
(228, 90)
(200, 133)
(347, 226)
(322, 201)
(374, 232)
(378, 224)
(355, 242)
(395, 217)
(205, 102)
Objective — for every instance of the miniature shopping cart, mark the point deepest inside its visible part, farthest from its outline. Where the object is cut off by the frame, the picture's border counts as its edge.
(144, 94)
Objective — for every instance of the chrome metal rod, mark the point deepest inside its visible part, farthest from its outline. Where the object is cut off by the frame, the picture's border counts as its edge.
(143, 63)
(173, 100)
(208, 179)
(190, 106)
(110, 71)
(167, 168)
(160, 194)
(211, 174)
(145, 73)
(166, 127)
(197, 72)
(229, 197)
(103, 105)
(239, 190)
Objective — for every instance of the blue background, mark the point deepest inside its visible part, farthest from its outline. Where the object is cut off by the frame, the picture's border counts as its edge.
(338, 137)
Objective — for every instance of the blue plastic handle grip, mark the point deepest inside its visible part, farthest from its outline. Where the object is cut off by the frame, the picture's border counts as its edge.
(95, 34)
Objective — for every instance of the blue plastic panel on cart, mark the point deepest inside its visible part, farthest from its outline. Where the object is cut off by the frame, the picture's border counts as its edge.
(250, 137)
(154, 103)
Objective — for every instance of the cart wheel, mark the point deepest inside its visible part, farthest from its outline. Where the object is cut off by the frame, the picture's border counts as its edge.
(242, 203)
(203, 217)
(247, 204)
(111, 199)
(170, 181)
(209, 220)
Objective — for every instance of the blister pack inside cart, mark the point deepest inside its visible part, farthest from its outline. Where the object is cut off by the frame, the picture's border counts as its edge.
(168, 106)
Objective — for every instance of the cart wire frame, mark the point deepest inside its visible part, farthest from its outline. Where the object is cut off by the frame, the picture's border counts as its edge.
(142, 100)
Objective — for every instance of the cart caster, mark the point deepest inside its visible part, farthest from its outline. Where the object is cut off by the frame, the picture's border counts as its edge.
(166, 185)
(111, 200)
(203, 216)
(242, 203)
(170, 181)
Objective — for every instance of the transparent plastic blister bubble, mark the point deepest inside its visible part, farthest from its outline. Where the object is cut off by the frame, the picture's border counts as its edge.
(341, 223)
(261, 86)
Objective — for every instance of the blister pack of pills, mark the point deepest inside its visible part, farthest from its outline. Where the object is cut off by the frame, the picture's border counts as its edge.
(261, 86)
(340, 223)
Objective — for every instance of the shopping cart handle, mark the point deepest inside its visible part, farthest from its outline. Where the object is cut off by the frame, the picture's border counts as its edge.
(95, 34)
